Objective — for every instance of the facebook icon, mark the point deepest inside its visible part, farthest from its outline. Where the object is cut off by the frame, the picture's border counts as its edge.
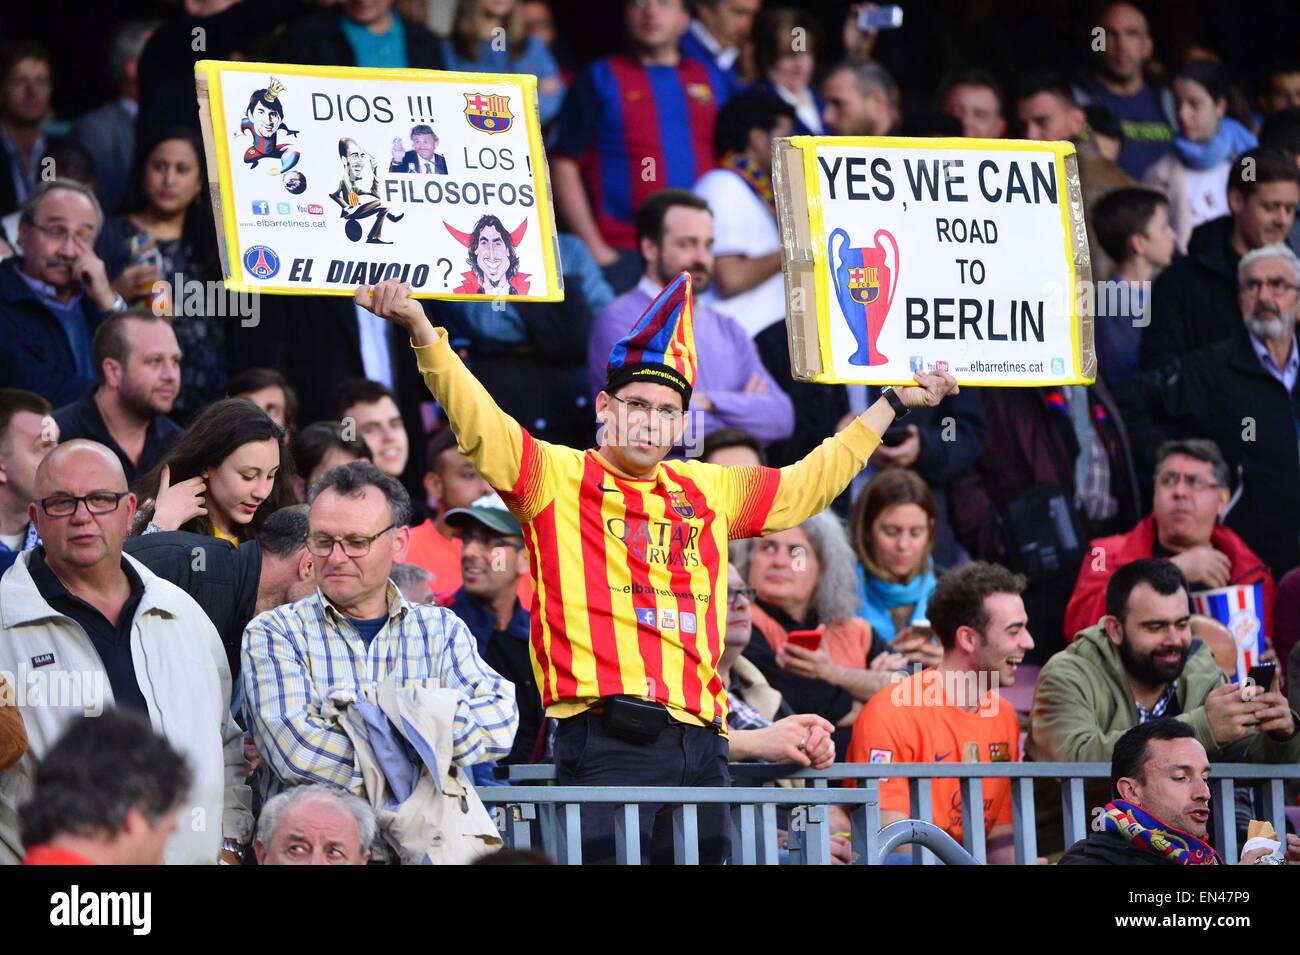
(261, 207)
(646, 615)
(916, 363)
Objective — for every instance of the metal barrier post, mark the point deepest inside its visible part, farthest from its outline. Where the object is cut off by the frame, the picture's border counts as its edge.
(972, 817)
(1073, 812)
(744, 835)
(767, 850)
(686, 835)
(921, 809)
(571, 833)
(817, 835)
(1223, 813)
(1024, 828)
(627, 834)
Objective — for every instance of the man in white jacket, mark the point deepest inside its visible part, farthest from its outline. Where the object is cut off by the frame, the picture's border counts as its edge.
(83, 627)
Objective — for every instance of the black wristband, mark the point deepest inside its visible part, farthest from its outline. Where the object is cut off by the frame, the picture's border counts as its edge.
(900, 410)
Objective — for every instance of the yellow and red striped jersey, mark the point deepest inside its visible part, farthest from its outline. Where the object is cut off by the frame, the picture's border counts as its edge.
(630, 574)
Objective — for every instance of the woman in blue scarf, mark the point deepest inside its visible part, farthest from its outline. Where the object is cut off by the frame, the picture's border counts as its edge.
(1195, 174)
(893, 527)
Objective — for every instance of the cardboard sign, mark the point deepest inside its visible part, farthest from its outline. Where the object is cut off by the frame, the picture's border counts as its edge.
(325, 178)
(903, 254)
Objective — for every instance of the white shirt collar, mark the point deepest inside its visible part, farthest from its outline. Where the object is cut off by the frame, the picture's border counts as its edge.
(649, 286)
(725, 57)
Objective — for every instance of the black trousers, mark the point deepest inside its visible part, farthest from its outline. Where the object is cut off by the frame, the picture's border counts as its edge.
(586, 755)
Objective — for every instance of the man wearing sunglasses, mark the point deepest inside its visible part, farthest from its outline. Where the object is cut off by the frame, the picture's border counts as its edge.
(87, 627)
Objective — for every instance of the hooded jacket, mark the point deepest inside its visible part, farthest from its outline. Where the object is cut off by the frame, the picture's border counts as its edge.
(1083, 704)
(182, 671)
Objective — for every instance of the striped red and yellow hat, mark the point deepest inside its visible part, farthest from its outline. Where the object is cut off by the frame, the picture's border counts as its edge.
(660, 348)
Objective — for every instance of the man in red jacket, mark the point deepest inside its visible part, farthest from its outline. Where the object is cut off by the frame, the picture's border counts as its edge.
(1191, 494)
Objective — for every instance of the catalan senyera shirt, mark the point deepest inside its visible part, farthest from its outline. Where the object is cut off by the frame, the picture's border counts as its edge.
(630, 574)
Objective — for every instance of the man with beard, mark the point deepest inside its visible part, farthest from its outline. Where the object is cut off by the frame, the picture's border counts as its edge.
(1241, 393)
(675, 234)
(137, 378)
(1139, 664)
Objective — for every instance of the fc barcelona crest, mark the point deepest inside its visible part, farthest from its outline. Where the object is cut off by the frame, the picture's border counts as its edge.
(864, 284)
(488, 113)
(681, 505)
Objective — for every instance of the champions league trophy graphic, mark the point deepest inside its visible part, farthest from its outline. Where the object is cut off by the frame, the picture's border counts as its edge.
(865, 287)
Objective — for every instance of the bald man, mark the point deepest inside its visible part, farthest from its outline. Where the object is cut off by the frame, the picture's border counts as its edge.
(87, 627)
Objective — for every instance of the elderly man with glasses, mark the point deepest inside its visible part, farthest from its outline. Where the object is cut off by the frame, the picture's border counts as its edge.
(87, 627)
(354, 631)
(1191, 496)
(54, 297)
(1241, 393)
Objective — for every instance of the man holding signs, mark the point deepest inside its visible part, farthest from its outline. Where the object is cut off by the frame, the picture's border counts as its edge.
(628, 553)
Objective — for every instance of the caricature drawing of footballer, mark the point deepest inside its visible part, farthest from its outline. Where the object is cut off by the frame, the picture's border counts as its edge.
(264, 121)
(358, 193)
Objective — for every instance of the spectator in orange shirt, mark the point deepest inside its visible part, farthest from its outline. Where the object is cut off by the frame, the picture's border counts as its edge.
(953, 713)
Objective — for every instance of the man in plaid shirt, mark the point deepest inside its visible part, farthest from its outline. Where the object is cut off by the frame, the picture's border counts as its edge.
(355, 630)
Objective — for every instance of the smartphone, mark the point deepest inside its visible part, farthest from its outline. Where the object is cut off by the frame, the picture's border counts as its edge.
(923, 627)
(1261, 674)
(882, 18)
(808, 639)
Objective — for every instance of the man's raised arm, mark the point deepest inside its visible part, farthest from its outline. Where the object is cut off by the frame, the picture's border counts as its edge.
(489, 437)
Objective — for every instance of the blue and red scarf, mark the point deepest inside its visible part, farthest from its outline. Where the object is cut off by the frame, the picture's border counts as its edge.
(1147, 832)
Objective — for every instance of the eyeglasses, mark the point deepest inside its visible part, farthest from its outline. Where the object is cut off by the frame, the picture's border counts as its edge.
(60, 234)
(354, 545)
(663, 413)
(733, 596)
(97, 502)
(1276, 286)
(1170, 479)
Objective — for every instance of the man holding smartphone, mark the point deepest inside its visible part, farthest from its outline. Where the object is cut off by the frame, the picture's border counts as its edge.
(628, 555)
(1139, 664)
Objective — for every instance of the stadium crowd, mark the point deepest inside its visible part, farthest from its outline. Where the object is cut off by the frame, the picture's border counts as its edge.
(363, 529)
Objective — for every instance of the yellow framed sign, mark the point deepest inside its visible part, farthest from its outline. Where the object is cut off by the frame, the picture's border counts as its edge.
(326, 178)
(902, 253)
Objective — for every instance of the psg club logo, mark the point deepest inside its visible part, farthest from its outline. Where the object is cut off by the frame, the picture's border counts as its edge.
(261, 261)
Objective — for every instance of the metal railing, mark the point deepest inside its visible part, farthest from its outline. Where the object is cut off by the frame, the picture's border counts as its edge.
(552, 814)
